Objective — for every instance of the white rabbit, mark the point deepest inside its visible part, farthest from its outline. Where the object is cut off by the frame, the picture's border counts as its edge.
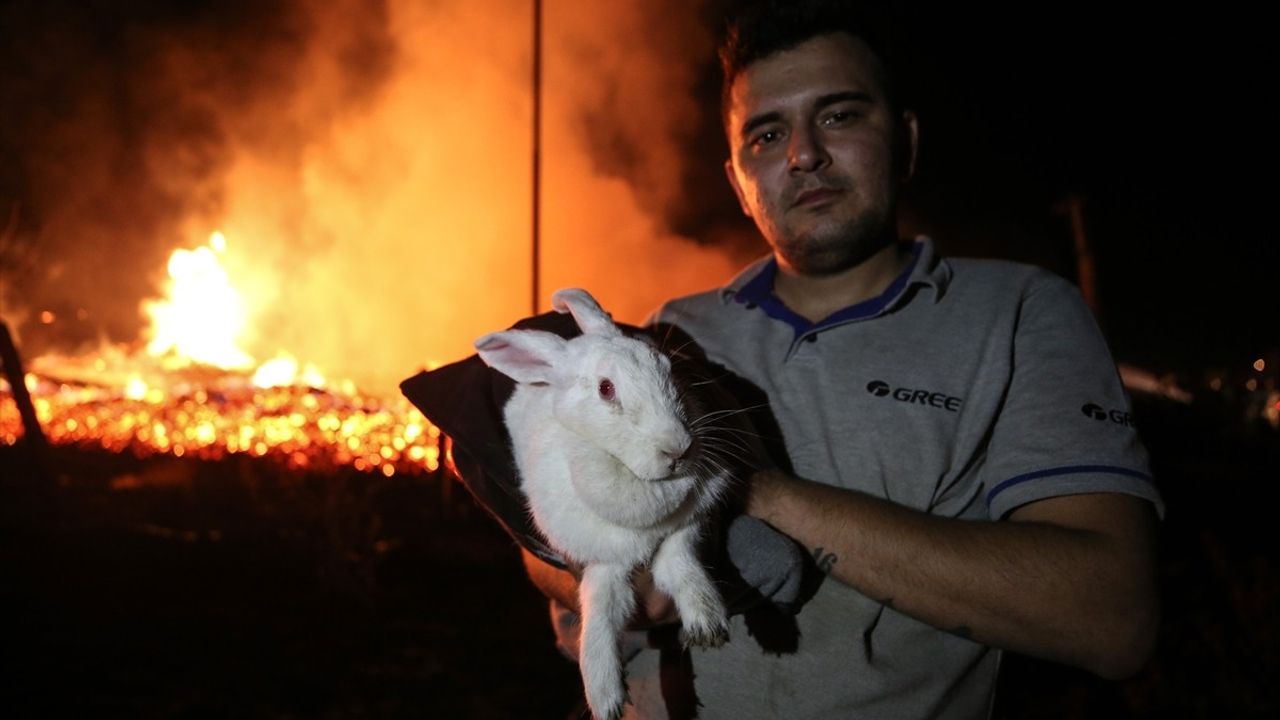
(605, 452)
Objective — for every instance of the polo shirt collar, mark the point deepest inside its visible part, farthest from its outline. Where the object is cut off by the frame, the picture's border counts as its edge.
(754, 287)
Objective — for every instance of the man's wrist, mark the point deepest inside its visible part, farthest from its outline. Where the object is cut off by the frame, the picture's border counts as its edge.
(765, 493)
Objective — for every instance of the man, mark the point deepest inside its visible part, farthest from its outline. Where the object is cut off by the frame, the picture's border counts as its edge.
(961, 457)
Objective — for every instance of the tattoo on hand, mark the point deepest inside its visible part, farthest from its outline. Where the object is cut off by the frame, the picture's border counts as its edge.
(824, 559)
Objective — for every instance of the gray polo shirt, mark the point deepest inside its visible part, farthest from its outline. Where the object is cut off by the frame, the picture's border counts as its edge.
(967, 389)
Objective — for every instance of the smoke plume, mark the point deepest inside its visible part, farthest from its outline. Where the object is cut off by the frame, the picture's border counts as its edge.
(368, 163)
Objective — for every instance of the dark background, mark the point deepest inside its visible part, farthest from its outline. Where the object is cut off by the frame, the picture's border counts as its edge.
(1154, 119)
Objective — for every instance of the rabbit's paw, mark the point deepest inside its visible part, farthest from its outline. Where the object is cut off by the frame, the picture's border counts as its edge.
(708, 632)
(606, 697)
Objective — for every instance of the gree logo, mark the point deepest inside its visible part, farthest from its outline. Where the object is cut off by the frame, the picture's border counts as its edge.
(1097, 412)
(880, 388)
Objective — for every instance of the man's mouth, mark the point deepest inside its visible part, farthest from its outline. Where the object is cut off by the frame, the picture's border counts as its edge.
(816, 197)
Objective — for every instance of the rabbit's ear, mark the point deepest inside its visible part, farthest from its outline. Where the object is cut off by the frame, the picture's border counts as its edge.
(527, 356)
(586, 312)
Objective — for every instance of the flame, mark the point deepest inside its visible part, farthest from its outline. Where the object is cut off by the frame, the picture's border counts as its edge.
(135, 389)
(282, 370)
(204, 315)
(195, 393)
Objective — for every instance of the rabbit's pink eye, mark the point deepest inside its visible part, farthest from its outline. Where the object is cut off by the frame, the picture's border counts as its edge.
(606, 388)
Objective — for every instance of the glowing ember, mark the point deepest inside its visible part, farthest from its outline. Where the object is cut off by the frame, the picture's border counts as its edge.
(197, 394)
(303, 427)
(204, 315)
(282, 371)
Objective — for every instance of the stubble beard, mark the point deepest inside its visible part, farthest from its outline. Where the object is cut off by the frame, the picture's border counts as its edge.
(829, 250)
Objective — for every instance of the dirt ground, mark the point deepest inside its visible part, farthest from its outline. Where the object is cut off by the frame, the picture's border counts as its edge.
(164, 588)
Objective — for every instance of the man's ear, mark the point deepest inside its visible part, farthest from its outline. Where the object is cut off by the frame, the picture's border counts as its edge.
(909, 137)
(737, 189)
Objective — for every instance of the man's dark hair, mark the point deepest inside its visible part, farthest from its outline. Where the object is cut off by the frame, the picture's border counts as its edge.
(759, 28)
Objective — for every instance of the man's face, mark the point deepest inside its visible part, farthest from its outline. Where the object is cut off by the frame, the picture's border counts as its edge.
(812, 153)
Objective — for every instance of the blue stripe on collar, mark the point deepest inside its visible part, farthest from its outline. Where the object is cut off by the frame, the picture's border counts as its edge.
(758, 292)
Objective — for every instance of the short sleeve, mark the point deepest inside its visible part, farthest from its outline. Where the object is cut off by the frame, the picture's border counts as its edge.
(1066, 425)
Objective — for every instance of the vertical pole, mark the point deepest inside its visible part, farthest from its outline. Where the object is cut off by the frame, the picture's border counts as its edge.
(1086, 269)
(537, 155)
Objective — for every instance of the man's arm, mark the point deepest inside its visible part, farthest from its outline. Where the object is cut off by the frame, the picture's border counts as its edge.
(559, 585)
(1070, 579)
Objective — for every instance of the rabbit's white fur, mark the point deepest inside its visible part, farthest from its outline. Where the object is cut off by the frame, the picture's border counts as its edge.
(608, 479)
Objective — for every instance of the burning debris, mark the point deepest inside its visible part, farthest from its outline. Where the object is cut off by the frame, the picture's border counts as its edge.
(195, 393)
(303, 427)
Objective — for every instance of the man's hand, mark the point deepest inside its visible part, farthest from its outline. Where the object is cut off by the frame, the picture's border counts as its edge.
(653, 607)
(1070, 579)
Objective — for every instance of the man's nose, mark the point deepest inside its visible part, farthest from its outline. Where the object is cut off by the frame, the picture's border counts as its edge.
(806, 152)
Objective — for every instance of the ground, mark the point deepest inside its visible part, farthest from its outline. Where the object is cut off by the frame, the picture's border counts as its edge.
(170, 588)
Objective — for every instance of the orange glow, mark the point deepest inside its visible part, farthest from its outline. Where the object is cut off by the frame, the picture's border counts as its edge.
(395, 233)
(203, 317)
(1259, 364)
(367, 238)
(47, 317)
(136, 389)
(179, 405)
(283, 370)
(197, 394)
(373, 219)
(299, 427)
(603, 233)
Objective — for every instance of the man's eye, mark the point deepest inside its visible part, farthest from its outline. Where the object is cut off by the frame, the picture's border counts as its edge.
(839, 117)
(761, 140)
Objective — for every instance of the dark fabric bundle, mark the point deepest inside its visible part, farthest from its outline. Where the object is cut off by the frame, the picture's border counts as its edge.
(465, 400)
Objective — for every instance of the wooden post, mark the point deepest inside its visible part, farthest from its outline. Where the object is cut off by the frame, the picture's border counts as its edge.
(1086, 270)
(536, 265)
(12, 365)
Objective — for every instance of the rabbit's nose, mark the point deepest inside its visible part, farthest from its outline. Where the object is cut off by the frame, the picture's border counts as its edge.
(678, 453)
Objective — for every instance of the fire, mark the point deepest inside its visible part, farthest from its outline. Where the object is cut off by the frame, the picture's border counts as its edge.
(195, 393)
(282, 371)
(204, 316)
(304, 428)
(386, 226)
